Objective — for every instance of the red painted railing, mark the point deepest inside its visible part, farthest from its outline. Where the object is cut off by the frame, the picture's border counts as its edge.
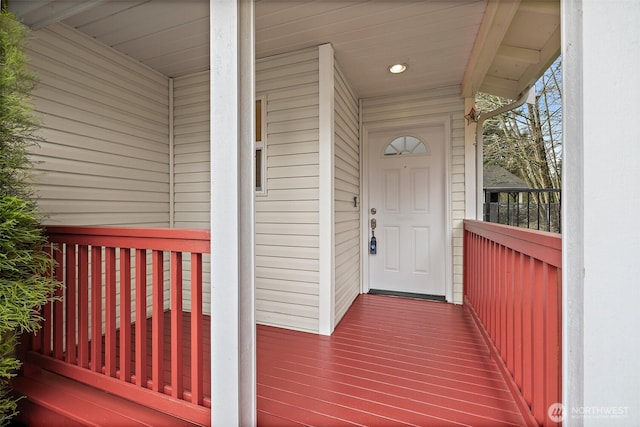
(97, 331)
(512, 286)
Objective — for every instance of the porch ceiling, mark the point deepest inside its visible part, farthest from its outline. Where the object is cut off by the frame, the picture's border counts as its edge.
(499, 46)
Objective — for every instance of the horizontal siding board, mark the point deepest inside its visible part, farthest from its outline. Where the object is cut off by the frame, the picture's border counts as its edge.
(199, 167)
(288, 217)
(303, 79)
(287, 251)
(288, 286)
(74, 141)
(307, 147)
(90, 57)
(52, 164)
(282, 60)
(196, 117)
(122, 219)
(77, 84)
(81, 114)
(192, 143)
(293, 171)
(154, 124)
(309, 182)
(194, 177)
(345, 191)
(94, 155)
(95, 131)
(289, 241)
(71, 184)
(296, 125)
(300, 229)
(275, 73)
(201, 197)
(305, 94)
(294, 137)
(299, 299)
(287, 274)
(294, 206)
(293, 195)
(293, 159)
(287, 263)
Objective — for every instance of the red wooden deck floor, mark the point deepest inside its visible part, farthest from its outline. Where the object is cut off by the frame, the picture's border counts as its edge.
(391, 361)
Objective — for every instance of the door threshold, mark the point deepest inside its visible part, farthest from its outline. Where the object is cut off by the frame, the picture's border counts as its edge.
(440, 298)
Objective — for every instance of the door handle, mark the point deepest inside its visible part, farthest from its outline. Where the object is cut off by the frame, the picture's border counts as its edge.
(373, 223)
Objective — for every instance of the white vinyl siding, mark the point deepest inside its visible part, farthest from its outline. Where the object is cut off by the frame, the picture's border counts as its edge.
(192, 191)
(104, 154)
(104, 117)
(425, 105)
(191, 168)
(287, 223)
(347, 186)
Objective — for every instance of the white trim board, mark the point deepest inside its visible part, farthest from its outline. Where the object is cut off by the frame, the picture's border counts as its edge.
(326, 292)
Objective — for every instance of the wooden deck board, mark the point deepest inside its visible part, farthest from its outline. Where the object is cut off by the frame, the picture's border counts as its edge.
(81, 404)
(391, 361)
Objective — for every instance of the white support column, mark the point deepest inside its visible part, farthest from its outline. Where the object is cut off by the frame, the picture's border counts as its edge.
(470, 181)
(233, 367)
(601, 240)
(572, 211)
(326, 159)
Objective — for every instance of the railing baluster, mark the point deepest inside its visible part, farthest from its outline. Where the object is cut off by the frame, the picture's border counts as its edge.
(141, 318)
(70, 308)
(83, 306)
(197, 376)
(46, 332)
(110, 312)
(157, 322)
(527, 331)
(176, 325)
(538, 348)
(125, 314)
(502, 302)
(510, 320)
(58, 308)
(553, 354)
(96, 308)
(518, 356)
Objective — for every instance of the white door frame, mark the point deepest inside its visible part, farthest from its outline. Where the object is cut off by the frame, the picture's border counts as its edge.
(440, 120)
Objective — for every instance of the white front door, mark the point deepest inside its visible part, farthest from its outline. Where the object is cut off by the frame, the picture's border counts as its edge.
(407, 194)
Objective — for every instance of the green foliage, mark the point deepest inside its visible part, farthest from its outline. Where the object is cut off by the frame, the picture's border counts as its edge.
(25, 282)
(17, 123)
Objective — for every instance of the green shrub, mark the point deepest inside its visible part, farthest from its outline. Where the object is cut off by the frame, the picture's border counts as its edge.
(25, 282)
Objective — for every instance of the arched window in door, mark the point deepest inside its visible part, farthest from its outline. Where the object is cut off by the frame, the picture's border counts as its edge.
(406, 145)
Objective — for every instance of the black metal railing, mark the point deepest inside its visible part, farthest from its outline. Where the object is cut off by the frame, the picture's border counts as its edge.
(537, 209)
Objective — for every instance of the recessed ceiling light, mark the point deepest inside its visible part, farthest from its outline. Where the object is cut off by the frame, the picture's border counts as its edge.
(397, 68)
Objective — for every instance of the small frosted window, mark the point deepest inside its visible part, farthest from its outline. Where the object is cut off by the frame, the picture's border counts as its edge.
(404, 145)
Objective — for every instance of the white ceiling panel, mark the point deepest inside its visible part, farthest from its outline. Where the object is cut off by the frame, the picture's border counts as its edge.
(434, 37)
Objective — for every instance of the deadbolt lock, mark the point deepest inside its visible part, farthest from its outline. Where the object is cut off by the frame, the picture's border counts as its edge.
(373, 211)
